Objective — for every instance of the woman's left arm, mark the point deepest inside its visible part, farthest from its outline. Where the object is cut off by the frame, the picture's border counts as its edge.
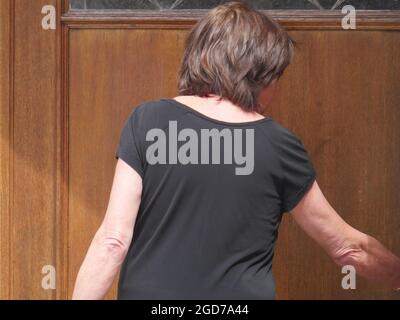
(345, 245)
(110, 244)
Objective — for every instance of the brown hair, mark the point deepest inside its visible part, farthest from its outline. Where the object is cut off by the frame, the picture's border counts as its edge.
(234, 51)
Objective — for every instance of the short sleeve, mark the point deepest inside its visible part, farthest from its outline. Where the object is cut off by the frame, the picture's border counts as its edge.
(298, 172)
(128, 148)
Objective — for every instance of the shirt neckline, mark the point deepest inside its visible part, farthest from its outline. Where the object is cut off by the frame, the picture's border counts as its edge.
(202, 115)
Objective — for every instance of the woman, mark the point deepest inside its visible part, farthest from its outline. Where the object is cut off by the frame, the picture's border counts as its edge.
(202, 180)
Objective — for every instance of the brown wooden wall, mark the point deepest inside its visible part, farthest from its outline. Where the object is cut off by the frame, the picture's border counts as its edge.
(65, 93)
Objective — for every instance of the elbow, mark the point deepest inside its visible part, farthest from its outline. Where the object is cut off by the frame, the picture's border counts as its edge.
(114, 248)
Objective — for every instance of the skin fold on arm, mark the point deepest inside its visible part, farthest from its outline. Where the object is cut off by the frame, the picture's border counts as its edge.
(344, 244)
(110, 244)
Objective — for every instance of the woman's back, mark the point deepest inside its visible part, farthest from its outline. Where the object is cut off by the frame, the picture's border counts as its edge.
(212, 200)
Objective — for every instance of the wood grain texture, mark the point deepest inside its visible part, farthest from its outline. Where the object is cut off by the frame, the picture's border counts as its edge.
(6, 31)
(291, 19)
(61, 228)
(34, 133)
(340, 96)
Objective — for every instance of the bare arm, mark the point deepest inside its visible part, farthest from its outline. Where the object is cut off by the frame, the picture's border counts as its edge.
(346, 245)
(110, 244)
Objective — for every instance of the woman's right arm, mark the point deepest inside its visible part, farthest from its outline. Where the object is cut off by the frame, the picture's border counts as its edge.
(346, 245)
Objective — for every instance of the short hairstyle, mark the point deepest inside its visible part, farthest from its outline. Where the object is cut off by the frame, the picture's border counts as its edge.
(234, 51)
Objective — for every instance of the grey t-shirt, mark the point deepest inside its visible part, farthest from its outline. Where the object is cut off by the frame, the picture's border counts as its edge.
(213, 197)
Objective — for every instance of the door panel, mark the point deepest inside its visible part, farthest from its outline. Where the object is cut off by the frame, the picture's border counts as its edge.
(126, 69)
(65, 94)
(353, 137)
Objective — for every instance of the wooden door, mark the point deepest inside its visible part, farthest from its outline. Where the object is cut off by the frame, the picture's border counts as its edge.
(65, 94)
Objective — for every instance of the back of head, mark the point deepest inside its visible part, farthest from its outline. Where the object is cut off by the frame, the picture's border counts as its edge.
(234, 51)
